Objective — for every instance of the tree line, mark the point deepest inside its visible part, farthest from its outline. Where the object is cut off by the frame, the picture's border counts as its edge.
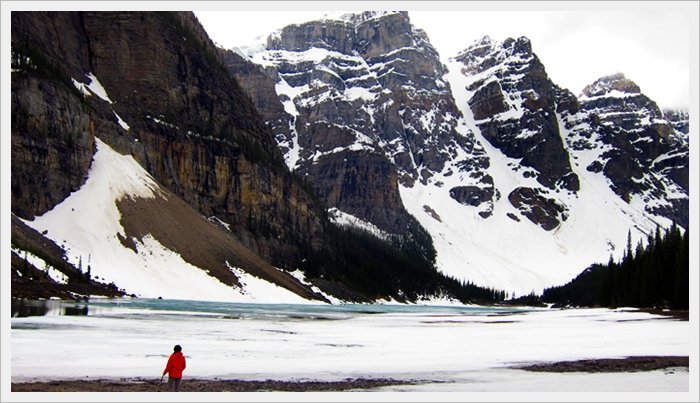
(402, 269)
(654, 274)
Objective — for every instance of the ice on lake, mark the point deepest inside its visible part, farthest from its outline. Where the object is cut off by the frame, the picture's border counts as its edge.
(447, 349)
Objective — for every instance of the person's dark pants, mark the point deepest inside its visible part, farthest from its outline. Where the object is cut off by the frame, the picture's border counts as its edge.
(174, 384)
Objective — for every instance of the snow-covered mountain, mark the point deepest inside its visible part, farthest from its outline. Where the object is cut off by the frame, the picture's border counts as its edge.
(145, 153)
(520, 184)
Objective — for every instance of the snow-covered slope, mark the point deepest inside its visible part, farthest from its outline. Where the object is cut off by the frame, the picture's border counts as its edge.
(506, 249)
(88, 225)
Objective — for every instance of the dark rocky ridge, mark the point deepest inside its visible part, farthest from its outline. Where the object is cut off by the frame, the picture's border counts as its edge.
(613, 82)
(515, 105)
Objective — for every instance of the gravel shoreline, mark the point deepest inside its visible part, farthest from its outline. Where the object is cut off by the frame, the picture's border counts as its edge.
(629, 364)
(205, 385)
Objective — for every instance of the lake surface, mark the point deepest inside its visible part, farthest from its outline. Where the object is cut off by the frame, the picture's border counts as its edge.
(446, 348)
(97, 307)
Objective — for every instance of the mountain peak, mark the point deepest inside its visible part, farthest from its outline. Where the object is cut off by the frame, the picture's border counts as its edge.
(487, 45)
(607, 84)
(520, 45)
(359, 18)
(486, 53)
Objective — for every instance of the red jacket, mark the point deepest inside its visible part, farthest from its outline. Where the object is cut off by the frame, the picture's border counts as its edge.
(175, 366)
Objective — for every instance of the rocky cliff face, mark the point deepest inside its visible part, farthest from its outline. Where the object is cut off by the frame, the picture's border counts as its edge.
(639, 149)
(367, 111)
(514, 105)
(527, 117)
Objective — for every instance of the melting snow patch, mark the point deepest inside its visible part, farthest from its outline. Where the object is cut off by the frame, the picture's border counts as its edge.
(81, 87)
(217, 220)
(97, 88)
(121, 122)
(354, 93)
(93, 87)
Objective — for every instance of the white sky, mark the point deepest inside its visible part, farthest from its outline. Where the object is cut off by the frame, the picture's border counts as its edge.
(650, 42)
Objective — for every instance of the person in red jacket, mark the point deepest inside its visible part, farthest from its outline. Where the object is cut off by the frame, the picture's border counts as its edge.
(176, 364)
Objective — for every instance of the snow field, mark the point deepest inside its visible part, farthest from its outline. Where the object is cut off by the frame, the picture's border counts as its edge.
(468, 350)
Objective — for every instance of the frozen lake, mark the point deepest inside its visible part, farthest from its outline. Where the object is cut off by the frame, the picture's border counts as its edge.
(451, 348)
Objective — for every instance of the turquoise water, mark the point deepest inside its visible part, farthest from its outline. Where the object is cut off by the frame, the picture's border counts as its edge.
(24, 308)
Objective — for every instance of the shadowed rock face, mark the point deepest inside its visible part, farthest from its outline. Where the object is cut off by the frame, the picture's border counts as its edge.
(190, 124)
(260, 86)
(545, 212)
(342, 181)
(53, 145)
(488, 101)
(471, 195)
(483, 193)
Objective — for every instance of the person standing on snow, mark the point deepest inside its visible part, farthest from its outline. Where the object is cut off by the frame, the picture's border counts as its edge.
(176, 364)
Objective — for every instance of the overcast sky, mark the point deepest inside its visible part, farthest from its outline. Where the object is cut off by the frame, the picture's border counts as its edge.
(650, 42)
